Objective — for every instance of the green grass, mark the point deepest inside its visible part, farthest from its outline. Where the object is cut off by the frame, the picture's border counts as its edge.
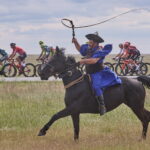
(26, 106)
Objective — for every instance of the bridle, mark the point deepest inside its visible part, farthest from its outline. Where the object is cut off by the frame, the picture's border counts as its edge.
(69, 69)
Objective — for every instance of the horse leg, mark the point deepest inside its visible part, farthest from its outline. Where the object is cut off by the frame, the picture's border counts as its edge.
(72, 109)
(75, 119)
(146, 122)
(144, 117)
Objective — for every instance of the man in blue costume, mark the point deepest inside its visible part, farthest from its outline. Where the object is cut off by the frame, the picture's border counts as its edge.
(101, 76)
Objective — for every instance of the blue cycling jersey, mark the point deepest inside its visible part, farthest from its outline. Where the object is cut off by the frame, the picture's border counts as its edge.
(3, 52)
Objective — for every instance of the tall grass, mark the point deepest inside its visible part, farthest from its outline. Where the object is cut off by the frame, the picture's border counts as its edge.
(26, 106)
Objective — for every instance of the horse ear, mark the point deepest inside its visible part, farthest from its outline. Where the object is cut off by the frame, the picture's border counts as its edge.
(57, 49)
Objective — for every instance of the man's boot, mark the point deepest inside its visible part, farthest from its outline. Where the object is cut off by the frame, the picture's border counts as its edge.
(101, 104)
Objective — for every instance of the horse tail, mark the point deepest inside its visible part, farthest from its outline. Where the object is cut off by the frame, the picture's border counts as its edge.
(145, 80)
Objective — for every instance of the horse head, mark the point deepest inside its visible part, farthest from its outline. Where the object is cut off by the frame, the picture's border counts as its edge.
(57, 65)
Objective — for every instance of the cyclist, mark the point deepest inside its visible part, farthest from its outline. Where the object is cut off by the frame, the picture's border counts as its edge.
(125, 54)
(119, 55)
(4, 56)
(131, 53)
(134, 53)
(20, 58)
(47, 51)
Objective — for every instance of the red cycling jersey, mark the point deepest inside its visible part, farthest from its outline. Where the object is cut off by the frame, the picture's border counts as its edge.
(132, 49)
(18, 50)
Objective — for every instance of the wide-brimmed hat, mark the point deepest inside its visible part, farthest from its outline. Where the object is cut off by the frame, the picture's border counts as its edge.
(94, 37)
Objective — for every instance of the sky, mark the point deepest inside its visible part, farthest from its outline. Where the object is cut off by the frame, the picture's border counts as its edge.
(26, 22)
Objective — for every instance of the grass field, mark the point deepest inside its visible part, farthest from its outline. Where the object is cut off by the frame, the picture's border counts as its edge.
(26, 106)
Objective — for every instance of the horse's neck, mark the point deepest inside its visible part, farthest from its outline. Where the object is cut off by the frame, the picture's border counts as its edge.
(68, 79)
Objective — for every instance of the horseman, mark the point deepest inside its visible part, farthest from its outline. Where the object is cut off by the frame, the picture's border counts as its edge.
(101, 76)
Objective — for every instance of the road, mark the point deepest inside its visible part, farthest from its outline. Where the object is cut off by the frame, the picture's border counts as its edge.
(18, 79)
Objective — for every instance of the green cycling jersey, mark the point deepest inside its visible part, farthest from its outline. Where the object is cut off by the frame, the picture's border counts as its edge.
(47, 50)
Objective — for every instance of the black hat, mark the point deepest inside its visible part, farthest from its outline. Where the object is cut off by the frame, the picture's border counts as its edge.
(94, 37)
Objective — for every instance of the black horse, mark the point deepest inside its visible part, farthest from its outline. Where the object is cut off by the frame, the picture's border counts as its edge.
(79, 97)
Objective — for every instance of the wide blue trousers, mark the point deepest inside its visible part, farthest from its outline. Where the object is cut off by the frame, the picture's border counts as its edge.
(103, 79)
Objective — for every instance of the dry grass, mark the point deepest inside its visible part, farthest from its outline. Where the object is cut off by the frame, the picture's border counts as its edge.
(26, 106)
(62, 140)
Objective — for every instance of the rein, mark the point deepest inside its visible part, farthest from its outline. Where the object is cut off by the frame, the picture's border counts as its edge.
(69, 73)
(66, 72)
(74, 82)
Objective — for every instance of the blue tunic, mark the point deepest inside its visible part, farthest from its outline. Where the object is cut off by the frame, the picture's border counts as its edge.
(106, 77)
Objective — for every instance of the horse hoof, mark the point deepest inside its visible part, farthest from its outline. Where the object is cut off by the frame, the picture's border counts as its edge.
(76, 141)
(141, 139)
(42, 133)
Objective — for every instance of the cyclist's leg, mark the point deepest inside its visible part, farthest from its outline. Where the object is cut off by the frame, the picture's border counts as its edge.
(137, 56)
(21, 60)
(131, 59)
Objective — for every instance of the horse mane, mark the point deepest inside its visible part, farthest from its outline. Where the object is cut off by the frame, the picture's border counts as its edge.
(59, 51)
(71, 60)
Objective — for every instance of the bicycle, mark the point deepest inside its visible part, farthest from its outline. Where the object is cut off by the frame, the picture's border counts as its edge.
(42, 61)
(2, 66)
(127, 67)
(10, 69)
(148, 67)
(110, 65)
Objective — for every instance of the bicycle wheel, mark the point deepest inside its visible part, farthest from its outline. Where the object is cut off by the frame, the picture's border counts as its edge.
(121, 69)
(114, 66)
(9, 70)
(109, 65)
(29, 70)
(1, 69)
(148, 68)
(142, 70)
(36, 70)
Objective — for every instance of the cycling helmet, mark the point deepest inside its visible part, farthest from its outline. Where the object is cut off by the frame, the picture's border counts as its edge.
(126, 44)
(121, 45)
(12, 44)
(41, 42)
